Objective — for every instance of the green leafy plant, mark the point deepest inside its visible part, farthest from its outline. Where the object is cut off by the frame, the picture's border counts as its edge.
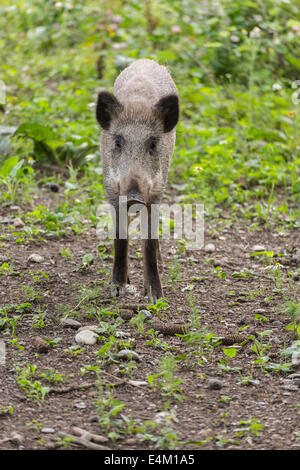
(108, 409)
(159, 308)
(53, 376)
(224, 363)
(25, 380)
(292, 309)
(250, 426)
(165, 381)
(6, 269)
(153, 340)
(9, 173)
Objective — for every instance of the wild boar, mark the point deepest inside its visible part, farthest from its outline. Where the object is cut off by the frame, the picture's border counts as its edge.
(137, 141)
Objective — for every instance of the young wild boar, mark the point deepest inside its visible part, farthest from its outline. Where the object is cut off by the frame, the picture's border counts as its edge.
(137, 141)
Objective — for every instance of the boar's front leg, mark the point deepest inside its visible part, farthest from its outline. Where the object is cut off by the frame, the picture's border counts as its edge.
(120, 266)
(152, 284)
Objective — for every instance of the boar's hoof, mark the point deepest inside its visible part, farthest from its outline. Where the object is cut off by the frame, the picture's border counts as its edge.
(154, 293)
(117, 290)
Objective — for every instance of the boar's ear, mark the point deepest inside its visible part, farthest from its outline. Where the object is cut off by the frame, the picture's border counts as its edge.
(107, 107)
(167, 109)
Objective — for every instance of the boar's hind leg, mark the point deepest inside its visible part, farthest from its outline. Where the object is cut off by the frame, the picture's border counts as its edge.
(152, 256)
(152, 285)
(120, 267)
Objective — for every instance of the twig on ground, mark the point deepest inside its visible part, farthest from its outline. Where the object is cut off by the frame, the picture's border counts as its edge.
(85, 438)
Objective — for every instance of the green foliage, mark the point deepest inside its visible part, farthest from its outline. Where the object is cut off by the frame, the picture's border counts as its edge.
(25, 378)
(250, 426)
(12, 175)
(235, 64)
(108, 409)
(165, 380)
(293, 309)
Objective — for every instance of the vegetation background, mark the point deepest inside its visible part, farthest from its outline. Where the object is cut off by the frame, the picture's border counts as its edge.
(237, 68)
(236, 65)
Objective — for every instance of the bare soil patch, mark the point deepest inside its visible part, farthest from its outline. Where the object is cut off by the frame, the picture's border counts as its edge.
(217, 409)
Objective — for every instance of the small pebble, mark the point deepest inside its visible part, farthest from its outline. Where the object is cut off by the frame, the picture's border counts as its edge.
(295, 378)
(131, 442)
(296, 381)
(215, 384)
(86, 337)
(15, 208)
(148, 315)
(81, 405)
(18, 222)
(209, 248)
(48, 430)
(40, 344)
(258, 248)
(35, 258)
(127, 354)
(70, 323)
(138, 383)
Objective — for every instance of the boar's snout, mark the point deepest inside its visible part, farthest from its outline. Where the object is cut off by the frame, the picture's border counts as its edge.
(135, 198)
(133, 193)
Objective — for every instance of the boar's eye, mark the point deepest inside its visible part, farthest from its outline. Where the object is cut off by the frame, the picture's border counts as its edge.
(152, 144)
(118, 141)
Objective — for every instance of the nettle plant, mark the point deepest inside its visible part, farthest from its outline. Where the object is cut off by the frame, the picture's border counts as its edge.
(165, 380)
(25, 377)
(13, 174)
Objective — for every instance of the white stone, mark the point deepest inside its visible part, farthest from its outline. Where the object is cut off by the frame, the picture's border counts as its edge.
(18, 222)
(36, 258)
(127, 354)
(48, 430)
(15, 208)
(86, 337)
(259, 248)
(70, 323)
(138, 383)
(209, 248)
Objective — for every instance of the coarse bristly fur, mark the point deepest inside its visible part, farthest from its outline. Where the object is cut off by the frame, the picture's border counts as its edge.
(138, 134)
(137, 90)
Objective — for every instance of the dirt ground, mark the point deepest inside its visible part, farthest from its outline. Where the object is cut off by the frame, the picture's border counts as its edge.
(217, 410)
